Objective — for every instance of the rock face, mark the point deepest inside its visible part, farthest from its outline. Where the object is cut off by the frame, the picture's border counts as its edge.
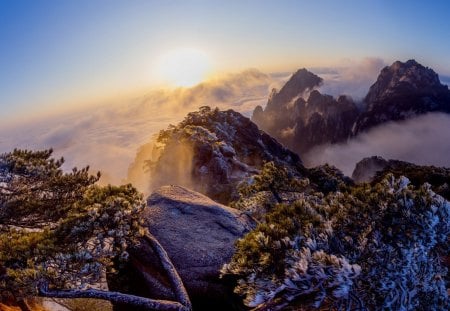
(301, 117)
(401, 91)
(198, 235)
(366, 169)
(211, 151)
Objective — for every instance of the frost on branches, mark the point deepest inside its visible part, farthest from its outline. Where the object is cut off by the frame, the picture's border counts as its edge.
(368, 248)
(60, 232)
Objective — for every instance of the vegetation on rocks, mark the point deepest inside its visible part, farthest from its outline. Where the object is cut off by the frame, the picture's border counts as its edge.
(368, 247)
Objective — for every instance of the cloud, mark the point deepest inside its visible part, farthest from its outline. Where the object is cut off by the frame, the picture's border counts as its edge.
(107, 137)
(423, 140)
(353, 78)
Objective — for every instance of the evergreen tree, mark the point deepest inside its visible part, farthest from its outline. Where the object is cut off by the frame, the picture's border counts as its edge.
(60, 233)
(374, 247)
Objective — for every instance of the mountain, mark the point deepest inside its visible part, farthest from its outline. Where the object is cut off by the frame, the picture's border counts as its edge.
(212, 151)
(402, 91)
(300, 117)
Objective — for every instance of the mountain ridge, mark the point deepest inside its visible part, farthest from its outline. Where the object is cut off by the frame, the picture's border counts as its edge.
(306, 118)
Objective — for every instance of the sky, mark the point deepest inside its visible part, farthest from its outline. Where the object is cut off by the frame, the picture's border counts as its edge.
(60, 54)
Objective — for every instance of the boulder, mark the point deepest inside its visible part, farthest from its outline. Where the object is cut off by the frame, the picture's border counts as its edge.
(366, 169)
(198, 235)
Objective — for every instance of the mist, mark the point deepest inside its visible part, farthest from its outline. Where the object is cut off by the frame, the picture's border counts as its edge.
(116, 138)
(353, 78)
(107, 137)
(423, 140)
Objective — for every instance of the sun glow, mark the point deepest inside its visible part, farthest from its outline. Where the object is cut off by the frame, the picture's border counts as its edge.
(184, 67)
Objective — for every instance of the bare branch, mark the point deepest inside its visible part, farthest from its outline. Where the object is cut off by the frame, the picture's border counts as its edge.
(115, 297)
(175, 280)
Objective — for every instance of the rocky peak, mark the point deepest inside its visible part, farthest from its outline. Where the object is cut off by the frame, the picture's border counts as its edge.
(366, 169)
(211, 151)
(302, 124)
(300, 81)
(401, 77)
(373, 169)
(403, 90)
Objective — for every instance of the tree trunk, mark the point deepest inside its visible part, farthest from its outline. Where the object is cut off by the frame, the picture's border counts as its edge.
(115, 297)
(184, 303)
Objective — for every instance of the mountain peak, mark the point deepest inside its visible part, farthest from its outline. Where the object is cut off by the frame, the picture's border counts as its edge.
(301, 81)
(408, 77)
(211, 151)
(401, 91)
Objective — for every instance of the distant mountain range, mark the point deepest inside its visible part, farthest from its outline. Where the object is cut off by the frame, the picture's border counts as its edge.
(300, 117)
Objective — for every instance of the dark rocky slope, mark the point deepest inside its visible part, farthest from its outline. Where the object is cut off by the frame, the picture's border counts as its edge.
(402, 91)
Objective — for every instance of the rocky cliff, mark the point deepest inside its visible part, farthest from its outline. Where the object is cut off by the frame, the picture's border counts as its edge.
(301, 117)
(212, 151)
(402, 91)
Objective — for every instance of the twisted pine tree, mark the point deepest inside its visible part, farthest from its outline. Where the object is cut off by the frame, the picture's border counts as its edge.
(60, 233)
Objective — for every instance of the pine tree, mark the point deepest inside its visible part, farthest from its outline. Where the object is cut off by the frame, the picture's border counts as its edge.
(60, 233)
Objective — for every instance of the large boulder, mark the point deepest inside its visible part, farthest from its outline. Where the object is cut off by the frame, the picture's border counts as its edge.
(198, 235)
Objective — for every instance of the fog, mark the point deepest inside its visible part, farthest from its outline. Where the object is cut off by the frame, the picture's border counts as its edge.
(353, 78)
(423, 140)
(107, 137)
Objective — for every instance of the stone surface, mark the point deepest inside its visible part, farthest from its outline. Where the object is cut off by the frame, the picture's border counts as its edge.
(198, 235)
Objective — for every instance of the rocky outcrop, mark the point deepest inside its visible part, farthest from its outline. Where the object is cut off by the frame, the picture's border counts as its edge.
(373, 169)
(212, 151)
(198, 235)
(402, 91)
(366, 169)
(301, 117)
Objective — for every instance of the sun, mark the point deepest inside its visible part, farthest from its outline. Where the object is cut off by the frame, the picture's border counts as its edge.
(184, 67)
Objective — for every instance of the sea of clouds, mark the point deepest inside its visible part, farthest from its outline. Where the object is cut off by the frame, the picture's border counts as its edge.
(112, 137)
(107, 137)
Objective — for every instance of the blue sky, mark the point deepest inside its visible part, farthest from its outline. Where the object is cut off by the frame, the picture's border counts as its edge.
(56, 54)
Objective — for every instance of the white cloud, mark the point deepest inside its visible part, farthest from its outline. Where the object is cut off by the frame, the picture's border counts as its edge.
(352, 78)
(424, 140)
